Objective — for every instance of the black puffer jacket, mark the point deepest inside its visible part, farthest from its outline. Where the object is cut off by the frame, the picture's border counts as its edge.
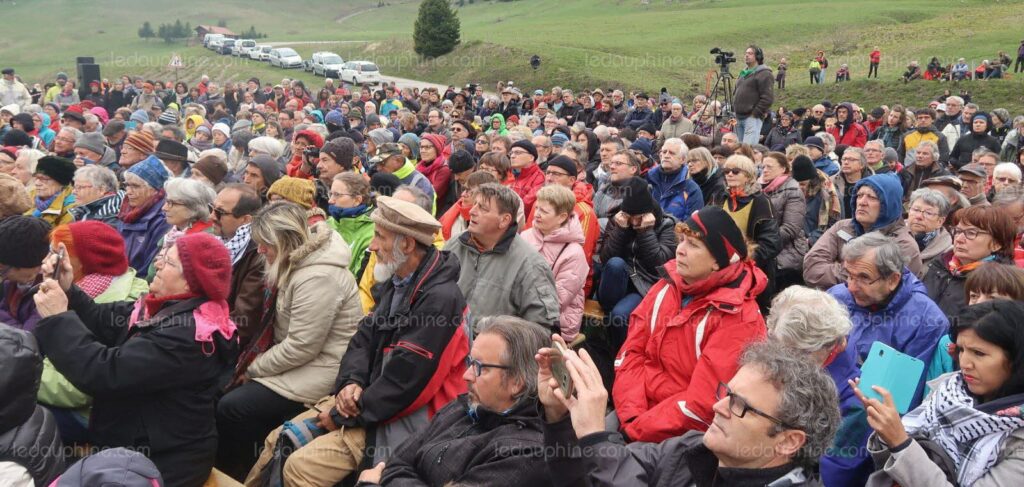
(645, 251)
(492, 449)
(28, 432)
(764, 241)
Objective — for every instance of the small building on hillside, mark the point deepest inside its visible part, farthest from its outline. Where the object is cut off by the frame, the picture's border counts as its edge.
(202, 30)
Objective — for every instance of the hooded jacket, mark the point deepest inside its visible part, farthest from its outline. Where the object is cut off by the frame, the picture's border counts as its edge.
(822, 263)
(677, 194)
(681, 345)
(318, 309)
(967, 144)
(153, 385)
(357, 231)
(483, 448)
(528, 181)
(563, 251)
(711, 183)
(909, 322)
(28, 432)
(510, 279)
(850, 133)
(408, 353)
(754, 93)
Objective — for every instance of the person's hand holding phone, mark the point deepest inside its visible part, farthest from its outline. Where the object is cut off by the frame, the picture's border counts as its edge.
(64, 272)
(554, 410)
(587, 407)
(882, 416)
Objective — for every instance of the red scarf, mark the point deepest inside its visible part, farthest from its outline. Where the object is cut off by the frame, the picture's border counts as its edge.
(153, 303)
(129, 214)
(737, 198)
(716, 280)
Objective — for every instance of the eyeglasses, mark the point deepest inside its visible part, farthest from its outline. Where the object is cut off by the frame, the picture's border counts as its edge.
(171, 203)
(478, 366)
(1006, 180)
(969, 233)
(83, 187)
(334, 195)
(515, 153)
(738, 406)
(732, 170)
(221, 213)
(555, 173)
(845, 276)
(927, 213)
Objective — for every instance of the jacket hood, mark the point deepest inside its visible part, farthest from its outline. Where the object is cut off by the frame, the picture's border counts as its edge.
(325, 247)
(890, 195)
(19, 376)
(657, 177)
(593, 145)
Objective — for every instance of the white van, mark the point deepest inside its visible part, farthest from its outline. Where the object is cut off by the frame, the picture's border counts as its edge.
(210, 38)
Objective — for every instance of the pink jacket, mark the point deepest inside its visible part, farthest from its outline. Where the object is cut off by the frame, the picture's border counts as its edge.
(563, 250)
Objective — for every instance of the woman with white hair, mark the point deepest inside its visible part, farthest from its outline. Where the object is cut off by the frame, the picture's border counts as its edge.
(814, 325)
(268, 146)
(926, 216)
(187, 210)
(25, 166)
(96, 195)
(752, 211)
(1005, 174)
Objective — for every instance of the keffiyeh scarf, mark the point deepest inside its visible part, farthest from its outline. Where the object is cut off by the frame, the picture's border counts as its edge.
(970, 435)
(237, 244)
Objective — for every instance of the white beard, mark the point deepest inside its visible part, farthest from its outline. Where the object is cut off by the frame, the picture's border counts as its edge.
(383, 272)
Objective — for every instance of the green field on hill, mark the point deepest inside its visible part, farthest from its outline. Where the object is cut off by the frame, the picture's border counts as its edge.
(583, 43)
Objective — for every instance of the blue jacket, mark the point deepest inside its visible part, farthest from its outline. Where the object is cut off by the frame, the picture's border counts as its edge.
(636, 118)
(678, 195)
(889, 190)
(827, 165)
(911, 323)
(142, 238)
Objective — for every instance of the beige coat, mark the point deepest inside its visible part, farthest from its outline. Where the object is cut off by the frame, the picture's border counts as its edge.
(317, 313)
(822, 263)
(912, 468)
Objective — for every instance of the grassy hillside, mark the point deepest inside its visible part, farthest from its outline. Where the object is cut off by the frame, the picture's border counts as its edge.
(583, 43)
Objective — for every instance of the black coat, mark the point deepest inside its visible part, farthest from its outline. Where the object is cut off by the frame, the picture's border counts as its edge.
(712, 187)
(763, 232)
(492, 449)
(28, 432)
(153, 385)
(946, 288)
(966, 145)
(645, 252)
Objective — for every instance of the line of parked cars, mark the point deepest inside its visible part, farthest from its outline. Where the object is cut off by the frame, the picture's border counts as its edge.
(326, 64)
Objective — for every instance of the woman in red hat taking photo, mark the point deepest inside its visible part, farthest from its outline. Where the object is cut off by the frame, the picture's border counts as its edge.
(152, 366)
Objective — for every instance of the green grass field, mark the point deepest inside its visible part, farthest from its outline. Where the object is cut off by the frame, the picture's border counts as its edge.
(583, 43)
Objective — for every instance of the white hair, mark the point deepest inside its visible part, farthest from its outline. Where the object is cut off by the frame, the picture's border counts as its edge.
(100, 177)
(1007, 168)
(194, 195)
(807, 319)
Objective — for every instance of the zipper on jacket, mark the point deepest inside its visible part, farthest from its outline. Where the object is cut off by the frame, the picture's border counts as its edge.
(440, 455)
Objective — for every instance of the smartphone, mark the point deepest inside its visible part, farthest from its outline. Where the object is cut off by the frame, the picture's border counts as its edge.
(56, 275)
(559, 371)
(896, 372)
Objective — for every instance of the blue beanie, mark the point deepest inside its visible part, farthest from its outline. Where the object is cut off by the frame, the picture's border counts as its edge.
(559, 139)
(152, 171)
(335, 117)
(139, 116)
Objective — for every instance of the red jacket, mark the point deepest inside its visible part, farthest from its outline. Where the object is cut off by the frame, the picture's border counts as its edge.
(855, 136)
(526, 185)
(876, 56)
(675, 355)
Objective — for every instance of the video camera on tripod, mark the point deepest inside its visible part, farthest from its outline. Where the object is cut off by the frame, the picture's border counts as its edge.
(723, 58)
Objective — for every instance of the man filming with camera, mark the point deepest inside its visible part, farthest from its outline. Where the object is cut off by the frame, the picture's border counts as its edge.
(753, 96)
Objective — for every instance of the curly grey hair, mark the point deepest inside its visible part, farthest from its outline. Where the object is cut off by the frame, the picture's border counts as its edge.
(808, 400)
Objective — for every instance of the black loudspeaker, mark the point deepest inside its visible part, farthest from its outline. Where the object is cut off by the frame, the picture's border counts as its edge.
(85, 60)
(87, 73)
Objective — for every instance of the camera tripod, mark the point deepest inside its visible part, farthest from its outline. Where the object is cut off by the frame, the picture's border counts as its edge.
(724, 80)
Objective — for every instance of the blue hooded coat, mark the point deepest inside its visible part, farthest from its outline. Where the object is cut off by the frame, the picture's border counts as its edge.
(911, 323)
(890, 194)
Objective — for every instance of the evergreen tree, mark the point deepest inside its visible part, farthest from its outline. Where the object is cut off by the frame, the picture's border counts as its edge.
(146, 32)
(436, 31)
(178, 29)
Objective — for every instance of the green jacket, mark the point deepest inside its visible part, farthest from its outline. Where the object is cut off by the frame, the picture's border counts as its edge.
(57, 391)
(357, 232)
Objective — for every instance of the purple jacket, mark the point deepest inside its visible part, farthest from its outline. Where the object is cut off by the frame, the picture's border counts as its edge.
(142, 238)
(25, 316)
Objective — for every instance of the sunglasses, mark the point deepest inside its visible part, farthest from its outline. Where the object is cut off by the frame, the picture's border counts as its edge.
(733, 170)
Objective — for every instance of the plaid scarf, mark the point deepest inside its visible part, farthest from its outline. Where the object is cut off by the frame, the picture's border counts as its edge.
(971, 436)
(95, 284)
(237, 244)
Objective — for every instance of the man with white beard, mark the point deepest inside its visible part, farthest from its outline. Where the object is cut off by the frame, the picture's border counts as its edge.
(416, 328)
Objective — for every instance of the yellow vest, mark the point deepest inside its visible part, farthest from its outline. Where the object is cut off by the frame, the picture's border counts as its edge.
(741, 217)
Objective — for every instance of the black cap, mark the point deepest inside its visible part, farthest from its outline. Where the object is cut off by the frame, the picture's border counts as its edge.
(171, 149)
(8, 71)
(461, 161)
(24, 240)
(565, 163)
(720, 234)
(803, 169)
(638, 200)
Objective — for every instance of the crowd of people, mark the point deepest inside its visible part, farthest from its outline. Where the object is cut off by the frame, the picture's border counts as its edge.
(416, 286)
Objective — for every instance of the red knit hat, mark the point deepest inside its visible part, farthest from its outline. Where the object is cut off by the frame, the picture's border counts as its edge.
(99, 248)
(206, 264)
(311, 137)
